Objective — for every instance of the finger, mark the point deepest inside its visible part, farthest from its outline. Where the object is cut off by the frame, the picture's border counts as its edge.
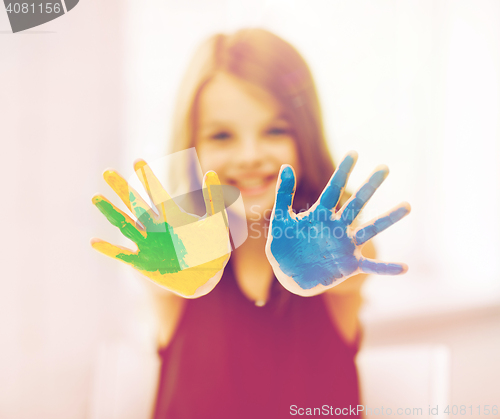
(212, 193)
(158, 195)
(352, 207)
(285, 190)
(331, 195)
(109, 249)
(372, 228)
(369, 266)
(129, 196)
(118, 219)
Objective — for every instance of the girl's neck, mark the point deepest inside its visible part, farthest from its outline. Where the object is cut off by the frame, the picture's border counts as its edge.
(250, 265)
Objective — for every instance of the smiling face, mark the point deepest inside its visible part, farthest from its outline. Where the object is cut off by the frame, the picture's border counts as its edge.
(242, 134)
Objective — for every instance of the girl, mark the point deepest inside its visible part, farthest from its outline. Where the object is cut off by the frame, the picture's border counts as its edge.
(250, 348)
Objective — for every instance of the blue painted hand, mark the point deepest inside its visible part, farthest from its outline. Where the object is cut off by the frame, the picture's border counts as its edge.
(320, 248)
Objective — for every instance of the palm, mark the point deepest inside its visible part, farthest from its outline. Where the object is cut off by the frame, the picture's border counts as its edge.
(171, 244)
(320, 248)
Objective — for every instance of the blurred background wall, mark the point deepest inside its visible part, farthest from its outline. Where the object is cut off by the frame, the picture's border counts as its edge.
(412, 84)
(62, 122)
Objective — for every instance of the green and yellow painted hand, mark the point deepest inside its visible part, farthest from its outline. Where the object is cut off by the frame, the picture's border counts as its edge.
(181, 252)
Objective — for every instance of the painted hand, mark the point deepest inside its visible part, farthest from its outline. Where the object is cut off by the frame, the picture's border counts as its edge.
(183, 253)
(319, 248)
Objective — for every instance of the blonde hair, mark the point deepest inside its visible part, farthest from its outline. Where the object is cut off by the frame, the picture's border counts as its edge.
(264, 59)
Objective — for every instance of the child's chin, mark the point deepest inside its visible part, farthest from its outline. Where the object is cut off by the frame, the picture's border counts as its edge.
(258, 210)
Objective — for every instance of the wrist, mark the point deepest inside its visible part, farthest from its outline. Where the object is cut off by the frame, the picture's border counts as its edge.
(351, 286)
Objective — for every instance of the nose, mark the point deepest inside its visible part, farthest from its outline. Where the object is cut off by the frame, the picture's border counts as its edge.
(250, 153)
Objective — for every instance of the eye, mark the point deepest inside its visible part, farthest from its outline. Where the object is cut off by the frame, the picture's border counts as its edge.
(278, 131)
(221, 135)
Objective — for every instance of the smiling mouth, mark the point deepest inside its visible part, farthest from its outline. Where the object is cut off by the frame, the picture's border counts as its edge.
(254, 186)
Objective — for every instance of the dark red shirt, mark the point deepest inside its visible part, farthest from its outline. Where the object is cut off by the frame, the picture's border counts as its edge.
(231, 359)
